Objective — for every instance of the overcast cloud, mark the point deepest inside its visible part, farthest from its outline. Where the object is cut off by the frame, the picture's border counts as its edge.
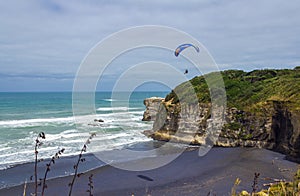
(42, 43)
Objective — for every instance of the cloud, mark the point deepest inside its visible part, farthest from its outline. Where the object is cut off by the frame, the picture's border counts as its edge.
(39, 76)
(52, 36)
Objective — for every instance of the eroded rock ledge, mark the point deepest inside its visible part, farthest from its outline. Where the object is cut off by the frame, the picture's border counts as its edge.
(152, 106)
(274, 126)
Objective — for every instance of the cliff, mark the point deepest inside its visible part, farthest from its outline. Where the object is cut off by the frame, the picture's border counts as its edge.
(263, 110)
(152, 106)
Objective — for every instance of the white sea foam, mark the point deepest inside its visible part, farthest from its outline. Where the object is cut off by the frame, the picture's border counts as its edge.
(72, 141)
(35, 121)
(4, 149)
(107, 109)
(109, 100)
(62, 136)
(120, 128)
(51, 121)
(69, 131)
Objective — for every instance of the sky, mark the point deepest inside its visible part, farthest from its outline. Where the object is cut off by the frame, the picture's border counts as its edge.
(43, 42)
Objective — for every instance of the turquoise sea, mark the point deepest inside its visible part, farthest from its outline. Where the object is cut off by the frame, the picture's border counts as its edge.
(24, 115)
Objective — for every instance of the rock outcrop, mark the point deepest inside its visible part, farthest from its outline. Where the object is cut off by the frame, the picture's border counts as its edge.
(152, 105)
(275, 127)
(185, 124)
(272, 123)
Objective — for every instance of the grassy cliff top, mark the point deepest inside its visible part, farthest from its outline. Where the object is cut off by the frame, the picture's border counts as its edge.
(246, 90)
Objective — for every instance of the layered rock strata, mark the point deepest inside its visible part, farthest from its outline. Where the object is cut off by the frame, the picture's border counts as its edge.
(274, 126)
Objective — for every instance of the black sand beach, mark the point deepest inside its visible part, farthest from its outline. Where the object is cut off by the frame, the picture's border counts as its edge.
(189, 174)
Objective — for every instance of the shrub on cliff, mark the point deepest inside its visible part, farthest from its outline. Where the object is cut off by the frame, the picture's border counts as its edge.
(247, 90)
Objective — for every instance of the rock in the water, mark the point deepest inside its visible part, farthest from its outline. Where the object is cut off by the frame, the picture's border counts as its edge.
(98, 120)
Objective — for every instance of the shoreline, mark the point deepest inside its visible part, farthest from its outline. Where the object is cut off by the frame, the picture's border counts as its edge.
(19, 173)
(189, 174)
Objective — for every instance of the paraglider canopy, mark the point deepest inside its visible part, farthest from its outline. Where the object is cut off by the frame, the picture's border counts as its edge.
(182, 47)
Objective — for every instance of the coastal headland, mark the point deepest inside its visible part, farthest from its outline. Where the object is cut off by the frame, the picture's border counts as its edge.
(263, 110)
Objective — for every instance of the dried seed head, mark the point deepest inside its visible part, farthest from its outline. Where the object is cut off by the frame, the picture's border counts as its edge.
(42, 135)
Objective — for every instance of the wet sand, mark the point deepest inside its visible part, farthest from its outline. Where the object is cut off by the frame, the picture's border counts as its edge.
(189, 174)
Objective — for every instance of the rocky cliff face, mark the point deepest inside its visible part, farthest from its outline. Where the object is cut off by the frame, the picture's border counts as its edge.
(263, 110)
(180, 123)
(152, 106)
(285, 129)
(273, 126)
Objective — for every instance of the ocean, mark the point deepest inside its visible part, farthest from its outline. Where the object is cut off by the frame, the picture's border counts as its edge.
(24, 115)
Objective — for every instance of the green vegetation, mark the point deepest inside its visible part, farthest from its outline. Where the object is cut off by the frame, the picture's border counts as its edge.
(245, 90)
(233, 126)
(278, 188)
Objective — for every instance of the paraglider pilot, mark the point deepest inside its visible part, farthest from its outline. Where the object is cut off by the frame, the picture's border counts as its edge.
(182, 47)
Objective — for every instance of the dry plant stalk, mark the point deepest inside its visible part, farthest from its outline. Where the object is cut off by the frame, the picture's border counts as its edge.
(48, 165)
(38, 143)
(80, 159)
